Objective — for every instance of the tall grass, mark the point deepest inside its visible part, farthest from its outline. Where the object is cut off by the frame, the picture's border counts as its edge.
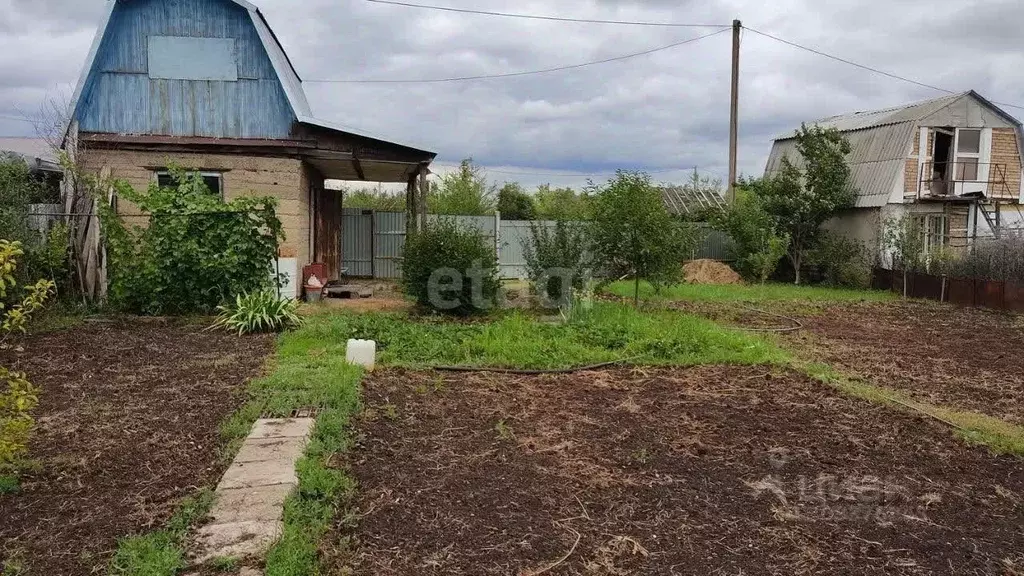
(515, 340)
(744, 293)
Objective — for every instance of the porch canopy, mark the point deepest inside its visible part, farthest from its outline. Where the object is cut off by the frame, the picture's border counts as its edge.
(340, 154)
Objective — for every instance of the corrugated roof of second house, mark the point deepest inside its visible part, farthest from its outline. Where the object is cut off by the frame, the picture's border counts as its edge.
(880, 142)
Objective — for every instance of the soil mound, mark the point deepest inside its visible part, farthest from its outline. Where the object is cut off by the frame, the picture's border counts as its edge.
(710, 272)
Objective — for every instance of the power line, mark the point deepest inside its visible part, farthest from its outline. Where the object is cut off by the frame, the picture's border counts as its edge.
(581, 174)
(866, 67)
(845, 61)
(548, 18)
(523, 73)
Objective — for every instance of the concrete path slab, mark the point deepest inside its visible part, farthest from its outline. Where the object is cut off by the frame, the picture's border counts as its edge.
(263, 503)
(255, 450)
(247, 517)
(281, 428)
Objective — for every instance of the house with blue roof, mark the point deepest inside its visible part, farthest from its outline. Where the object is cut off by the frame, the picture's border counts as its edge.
(206, 84)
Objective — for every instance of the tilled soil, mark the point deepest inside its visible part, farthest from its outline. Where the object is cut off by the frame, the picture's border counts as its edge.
(964, 358)
(958, 357)
(127, 427)
(709, 470)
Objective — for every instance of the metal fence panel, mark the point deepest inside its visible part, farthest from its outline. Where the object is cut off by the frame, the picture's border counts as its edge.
(713, 245)
(511, 256)
(389, 241)
(373, 245)
(357, 242)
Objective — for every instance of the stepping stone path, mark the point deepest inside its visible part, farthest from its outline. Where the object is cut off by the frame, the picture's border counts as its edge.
(247, 516)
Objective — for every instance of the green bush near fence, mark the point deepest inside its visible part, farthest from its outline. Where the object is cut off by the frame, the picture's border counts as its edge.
(192, 252)
(450, 269)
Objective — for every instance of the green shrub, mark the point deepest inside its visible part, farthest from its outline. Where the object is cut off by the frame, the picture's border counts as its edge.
(450, 269)
(556, 259)
(17, 395)
(757, 246)
(841, 261)
(261, 311)
(195, 252)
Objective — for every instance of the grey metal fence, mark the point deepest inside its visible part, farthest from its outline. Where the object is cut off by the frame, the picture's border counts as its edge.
(372, 242)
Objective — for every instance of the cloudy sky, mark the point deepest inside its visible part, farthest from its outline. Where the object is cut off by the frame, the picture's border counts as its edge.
(665, 112)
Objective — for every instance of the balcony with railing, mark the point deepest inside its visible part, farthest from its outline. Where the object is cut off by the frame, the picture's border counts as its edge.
(970, 180)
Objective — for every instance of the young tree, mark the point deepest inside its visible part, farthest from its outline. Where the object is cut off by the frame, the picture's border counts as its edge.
(634, 234)
(904, 239)
(756, 243)
(463, 192)
(802, 200)
(370, 199)
(17, 396)
(515, 204)
(561, 203)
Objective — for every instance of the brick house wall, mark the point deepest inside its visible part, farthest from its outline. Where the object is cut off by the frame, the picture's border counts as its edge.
(1005, 152)
(288, 180)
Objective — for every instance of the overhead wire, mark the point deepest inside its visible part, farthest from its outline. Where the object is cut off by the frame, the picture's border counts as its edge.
(543, 17)
(521, 73)
(865, 66)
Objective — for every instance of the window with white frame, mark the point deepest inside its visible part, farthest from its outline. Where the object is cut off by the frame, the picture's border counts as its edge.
(935, 229)
(968, 154)
(213, 180)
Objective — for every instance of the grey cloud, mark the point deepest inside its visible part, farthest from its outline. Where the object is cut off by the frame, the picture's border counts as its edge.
(663, 110)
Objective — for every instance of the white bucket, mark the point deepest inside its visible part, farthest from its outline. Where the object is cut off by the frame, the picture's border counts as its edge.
(362, 353)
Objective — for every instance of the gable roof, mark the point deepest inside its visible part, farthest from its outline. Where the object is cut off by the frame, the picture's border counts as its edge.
(880, 142)
(279, 59)
(282, 64)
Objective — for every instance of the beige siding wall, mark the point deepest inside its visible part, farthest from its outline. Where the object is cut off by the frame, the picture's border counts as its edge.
(1005, 152)
(285, 179)
(860, 224)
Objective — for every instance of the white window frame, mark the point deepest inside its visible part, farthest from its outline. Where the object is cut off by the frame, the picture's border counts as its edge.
(983, 156)
(204, 173)
(926, 223)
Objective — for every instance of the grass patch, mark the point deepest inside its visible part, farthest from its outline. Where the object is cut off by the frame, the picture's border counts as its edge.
(161, 553)
(516, 340)
(9, 484)
(307, 372)
(999, 436)
(749, 293)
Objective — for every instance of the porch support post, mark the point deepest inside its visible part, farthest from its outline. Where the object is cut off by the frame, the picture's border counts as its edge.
(424, 189)
(411, 221)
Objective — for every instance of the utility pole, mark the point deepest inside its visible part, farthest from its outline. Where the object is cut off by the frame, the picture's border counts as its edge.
(734, 111)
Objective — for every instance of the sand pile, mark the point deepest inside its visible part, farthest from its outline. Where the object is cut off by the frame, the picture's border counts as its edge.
(710, 272)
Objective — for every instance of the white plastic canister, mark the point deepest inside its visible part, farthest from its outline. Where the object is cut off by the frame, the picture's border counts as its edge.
(362, 353)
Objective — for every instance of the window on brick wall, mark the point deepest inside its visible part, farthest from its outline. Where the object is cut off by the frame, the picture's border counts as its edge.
(968, 153)
(213, 180)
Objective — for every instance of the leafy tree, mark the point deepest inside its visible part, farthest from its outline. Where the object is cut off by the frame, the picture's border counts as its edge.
(561, 204)
(370, 199)
(195, 252)
(802, 200)
(515, 204)
(17, 395)
(557, 259)
(756, 243)
(633, 234)
(904, 239)
(463, 192)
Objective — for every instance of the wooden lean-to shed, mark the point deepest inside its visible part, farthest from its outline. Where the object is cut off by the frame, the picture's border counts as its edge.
(206, 84)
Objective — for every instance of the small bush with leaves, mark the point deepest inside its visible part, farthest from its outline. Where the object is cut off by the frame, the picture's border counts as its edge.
(257, 312)
(450, 269)
(756, 245)
(556, 259)
(17, 395)
(196, 252)
(842, 261)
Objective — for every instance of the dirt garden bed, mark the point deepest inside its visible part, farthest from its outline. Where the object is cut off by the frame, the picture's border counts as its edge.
(711, 470)
(128, 425)
(964, 358)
